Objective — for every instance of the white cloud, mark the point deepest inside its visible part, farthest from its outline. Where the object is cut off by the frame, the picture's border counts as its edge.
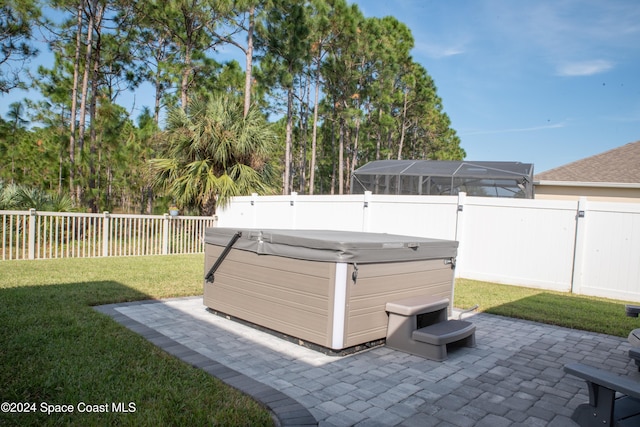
(573, 37)
(433, 50)
(584, 68)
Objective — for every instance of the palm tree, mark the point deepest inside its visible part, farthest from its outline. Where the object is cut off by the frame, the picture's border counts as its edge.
(213, 152)
(22, 197)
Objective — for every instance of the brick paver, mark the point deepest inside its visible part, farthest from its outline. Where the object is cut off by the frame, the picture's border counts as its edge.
(513, 377)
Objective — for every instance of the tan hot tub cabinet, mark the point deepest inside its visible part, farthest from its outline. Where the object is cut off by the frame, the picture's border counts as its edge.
(327, 288)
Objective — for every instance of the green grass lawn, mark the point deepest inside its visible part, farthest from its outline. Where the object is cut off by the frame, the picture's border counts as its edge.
(55, 349)
(555, 308)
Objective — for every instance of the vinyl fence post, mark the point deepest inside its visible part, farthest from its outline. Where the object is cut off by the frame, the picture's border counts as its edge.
(578, 247)
(105, 234)
(365, 210)
(254, 210)
(165, 234)
(32, 233)
(292, 203)
(459, 231)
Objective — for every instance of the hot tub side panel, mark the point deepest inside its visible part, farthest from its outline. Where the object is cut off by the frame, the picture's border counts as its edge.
(377, 284)
(290, 296)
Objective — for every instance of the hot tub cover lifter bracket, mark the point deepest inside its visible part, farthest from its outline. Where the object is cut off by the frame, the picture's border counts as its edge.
(209, 277)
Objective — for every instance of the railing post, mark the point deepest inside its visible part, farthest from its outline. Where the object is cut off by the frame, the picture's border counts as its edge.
(165, 234)
(32, 233)
(105, 234)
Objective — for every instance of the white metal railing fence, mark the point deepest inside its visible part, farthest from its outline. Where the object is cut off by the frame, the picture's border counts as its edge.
(43, 235)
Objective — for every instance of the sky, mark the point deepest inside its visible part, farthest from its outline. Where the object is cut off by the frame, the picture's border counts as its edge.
(546, 82)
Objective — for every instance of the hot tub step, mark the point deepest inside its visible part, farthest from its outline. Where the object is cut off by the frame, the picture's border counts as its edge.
(446, 332)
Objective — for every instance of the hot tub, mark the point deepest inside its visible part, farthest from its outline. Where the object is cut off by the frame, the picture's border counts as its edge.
(327, 288)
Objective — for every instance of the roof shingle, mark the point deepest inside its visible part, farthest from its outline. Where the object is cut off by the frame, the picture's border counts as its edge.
(620, 165)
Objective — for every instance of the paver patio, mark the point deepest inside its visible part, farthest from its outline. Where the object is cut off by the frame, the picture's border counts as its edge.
(514, 377)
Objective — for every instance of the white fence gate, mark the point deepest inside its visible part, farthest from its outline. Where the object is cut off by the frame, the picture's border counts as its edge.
(41, 235)
(590, 248)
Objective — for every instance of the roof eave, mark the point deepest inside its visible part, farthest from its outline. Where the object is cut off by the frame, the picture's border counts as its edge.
(587, 184)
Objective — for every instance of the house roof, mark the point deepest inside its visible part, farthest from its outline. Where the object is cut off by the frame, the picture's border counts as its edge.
(619, 165)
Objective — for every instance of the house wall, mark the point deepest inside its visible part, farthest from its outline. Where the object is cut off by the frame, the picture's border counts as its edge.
(600, 194)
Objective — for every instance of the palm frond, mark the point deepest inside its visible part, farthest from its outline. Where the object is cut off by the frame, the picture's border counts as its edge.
(213, 152)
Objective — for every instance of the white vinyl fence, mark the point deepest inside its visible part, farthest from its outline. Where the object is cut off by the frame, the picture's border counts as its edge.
(41, 235)
(589, 248)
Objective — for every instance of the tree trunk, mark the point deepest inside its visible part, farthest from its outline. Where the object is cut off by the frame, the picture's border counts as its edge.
(74, 103)
(379, 134)
(304, 128)
(314, 136)
(149, 200)
(333, 155)
(93, 140)
(85, 87)
(402, 126)
(249, 62)
(341, 157)
(184, 85)
(159, 56)
(354, 157)
(93, 137)
(286, 181)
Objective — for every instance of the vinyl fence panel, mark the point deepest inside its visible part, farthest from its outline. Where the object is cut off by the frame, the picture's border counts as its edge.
(423, 216)
(239, 213)
(266, 212)
(521, 241)
(289, 212)
(610, 259)
(343, 212)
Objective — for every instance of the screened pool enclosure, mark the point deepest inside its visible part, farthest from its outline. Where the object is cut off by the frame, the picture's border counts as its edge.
(445, 177)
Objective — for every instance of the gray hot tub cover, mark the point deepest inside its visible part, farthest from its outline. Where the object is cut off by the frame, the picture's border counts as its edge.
(334, 246)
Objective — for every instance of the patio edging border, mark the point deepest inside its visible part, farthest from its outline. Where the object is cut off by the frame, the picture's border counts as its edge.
(286, 411)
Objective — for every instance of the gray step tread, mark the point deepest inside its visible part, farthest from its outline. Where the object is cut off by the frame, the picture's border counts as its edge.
(444, 332)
